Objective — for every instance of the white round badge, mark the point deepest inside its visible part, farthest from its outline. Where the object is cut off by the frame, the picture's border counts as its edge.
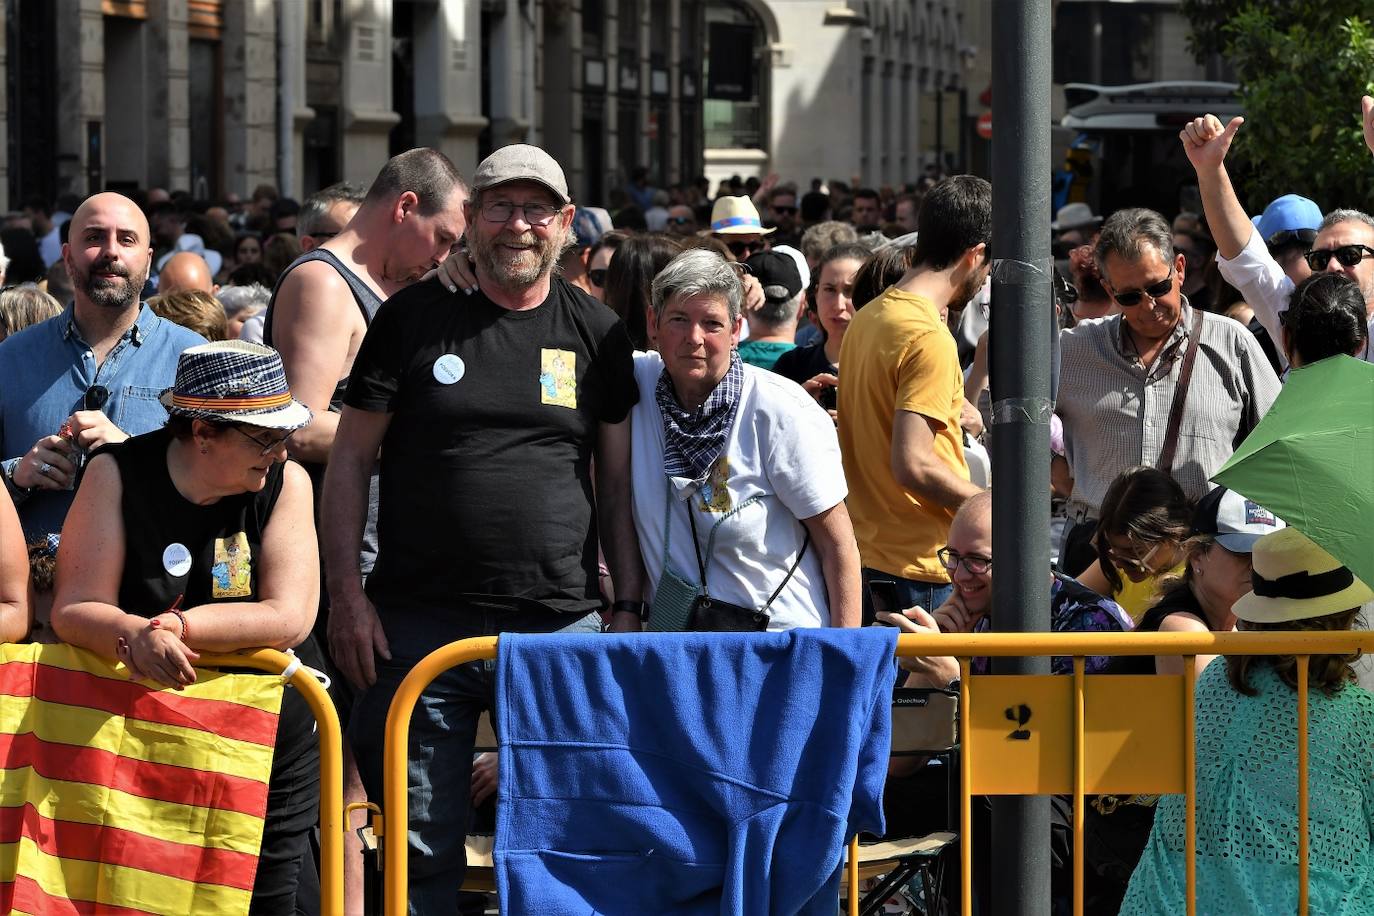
(176, 559)
(448, 369)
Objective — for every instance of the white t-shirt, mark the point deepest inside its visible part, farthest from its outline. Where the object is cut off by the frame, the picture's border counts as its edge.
(782, 448)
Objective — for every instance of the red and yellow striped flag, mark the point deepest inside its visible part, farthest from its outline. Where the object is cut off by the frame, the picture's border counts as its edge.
(118, 799)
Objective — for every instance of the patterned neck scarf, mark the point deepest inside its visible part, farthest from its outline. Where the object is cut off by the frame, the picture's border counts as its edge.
(693, 440)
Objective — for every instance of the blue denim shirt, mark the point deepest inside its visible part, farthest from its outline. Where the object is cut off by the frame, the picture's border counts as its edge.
(44, 373)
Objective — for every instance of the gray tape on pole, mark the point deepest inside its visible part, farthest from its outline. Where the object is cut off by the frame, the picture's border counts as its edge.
(1022, 410)
(1011, 272)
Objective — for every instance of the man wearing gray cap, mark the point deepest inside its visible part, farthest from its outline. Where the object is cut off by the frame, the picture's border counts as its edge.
(488, 415)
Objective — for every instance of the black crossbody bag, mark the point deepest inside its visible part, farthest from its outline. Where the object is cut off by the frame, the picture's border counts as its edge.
(715, 616)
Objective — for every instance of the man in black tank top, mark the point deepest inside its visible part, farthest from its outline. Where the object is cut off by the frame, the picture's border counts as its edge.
(323, 303)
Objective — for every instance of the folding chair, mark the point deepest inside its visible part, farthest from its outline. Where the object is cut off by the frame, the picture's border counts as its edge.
(480, 876)
(925, 723)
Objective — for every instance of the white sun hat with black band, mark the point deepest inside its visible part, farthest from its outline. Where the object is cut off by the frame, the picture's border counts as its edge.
(234, 381)
(1294, 579)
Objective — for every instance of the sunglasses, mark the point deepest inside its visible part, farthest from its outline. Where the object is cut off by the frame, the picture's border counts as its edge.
(267, 447)
(784, 209)
(598, 276)
(1141, 565)
(95, 398)
(1154, 291)
(1283, 237)
(1347, 255)
(743, 249)
(972, 563)
(680, 220)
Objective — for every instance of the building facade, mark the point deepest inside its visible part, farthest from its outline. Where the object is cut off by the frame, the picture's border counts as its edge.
(219, 96)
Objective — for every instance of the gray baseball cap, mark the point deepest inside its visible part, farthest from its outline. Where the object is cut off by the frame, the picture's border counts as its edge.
(522, 162)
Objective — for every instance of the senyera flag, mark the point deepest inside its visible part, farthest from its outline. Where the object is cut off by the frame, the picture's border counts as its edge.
(120, 799)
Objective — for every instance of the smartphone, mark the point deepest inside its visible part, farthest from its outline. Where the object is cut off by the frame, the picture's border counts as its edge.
(830, 397)
(882, 594)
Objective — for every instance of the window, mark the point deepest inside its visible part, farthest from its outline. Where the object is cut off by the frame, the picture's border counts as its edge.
(732, 110)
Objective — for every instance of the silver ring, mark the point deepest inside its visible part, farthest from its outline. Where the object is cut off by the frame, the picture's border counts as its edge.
(44, 468)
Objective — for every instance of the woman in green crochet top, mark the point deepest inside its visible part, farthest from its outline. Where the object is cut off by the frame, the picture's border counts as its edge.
(1247, 760)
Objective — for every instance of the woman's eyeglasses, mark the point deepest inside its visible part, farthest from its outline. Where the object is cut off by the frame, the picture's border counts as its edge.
(267, 447)
(598, 276)
(743, 249)
(1142, 565)
(1347, 255)
(95, 398)
(1132, 298)
(972, 562)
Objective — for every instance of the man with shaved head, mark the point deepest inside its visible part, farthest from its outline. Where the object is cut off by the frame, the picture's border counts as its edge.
(91, 375)
(185, 270)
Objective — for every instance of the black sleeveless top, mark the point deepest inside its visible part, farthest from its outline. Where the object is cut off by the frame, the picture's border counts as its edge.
(367, 300)
(202, 554)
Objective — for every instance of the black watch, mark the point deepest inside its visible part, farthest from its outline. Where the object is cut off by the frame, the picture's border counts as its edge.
(639, 608)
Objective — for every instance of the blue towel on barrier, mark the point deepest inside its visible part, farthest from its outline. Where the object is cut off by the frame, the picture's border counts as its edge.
(688, 773)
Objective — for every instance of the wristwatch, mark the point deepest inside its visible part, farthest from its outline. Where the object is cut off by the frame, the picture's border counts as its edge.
(639, 608)
(17, 492)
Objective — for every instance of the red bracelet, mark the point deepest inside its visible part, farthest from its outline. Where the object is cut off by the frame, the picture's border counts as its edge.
(185, 627)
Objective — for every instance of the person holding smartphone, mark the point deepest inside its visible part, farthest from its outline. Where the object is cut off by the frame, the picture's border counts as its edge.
(968, 609)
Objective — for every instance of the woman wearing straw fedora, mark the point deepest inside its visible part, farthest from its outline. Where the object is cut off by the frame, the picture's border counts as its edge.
(1247, 795)
(192, 539)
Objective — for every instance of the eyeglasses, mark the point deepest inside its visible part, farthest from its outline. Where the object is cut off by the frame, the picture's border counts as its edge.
(744, 249)
(598, 276)
(973, 564)
(1141, 565)
(500, 211)
(1347, 255)
(680, 220)
(784, 209)
(1154, 291)
(267, 447)
(96, 396)
(1288, 236)
(323, 236)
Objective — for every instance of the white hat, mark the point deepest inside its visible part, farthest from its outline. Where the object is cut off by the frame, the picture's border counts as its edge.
(1074, 216)
(1295, 579)
(736, 216)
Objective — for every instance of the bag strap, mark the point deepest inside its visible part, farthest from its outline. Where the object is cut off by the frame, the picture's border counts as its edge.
(1185, 375)
(711, 540)
(806, 542)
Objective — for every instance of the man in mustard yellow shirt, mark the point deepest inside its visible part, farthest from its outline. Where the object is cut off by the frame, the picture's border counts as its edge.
(901, 395)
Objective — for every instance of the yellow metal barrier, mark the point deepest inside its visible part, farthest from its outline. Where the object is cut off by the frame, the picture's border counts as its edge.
(1082, 742)
(331, 762)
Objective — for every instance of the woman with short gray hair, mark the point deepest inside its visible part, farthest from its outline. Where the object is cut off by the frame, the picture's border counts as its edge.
(737, 482)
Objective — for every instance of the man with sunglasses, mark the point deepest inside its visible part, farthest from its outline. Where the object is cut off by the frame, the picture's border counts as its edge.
(92, 374)
(1160, 384)
(735, 223)
(783, 211)
(325, 213)
(1343, 241)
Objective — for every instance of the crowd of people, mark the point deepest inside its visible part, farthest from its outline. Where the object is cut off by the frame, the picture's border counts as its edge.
(475, 407)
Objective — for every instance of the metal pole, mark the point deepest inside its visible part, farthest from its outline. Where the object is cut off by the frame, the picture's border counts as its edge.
(1022, 316)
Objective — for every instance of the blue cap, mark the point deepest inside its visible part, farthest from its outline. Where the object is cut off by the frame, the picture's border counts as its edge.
(1288, 213)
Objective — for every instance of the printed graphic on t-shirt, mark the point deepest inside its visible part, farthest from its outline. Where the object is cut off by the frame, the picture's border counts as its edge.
(232, 574)
(558, 378)
(715, 495)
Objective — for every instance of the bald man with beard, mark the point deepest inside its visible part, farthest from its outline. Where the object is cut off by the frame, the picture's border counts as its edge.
(91, 375)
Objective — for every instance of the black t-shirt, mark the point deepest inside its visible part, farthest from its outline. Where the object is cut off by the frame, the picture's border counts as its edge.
(801, 364)
(485, 484)
(204, 555)
(1177, 600)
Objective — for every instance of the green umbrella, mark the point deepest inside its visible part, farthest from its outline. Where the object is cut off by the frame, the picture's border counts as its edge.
(1310, 461)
